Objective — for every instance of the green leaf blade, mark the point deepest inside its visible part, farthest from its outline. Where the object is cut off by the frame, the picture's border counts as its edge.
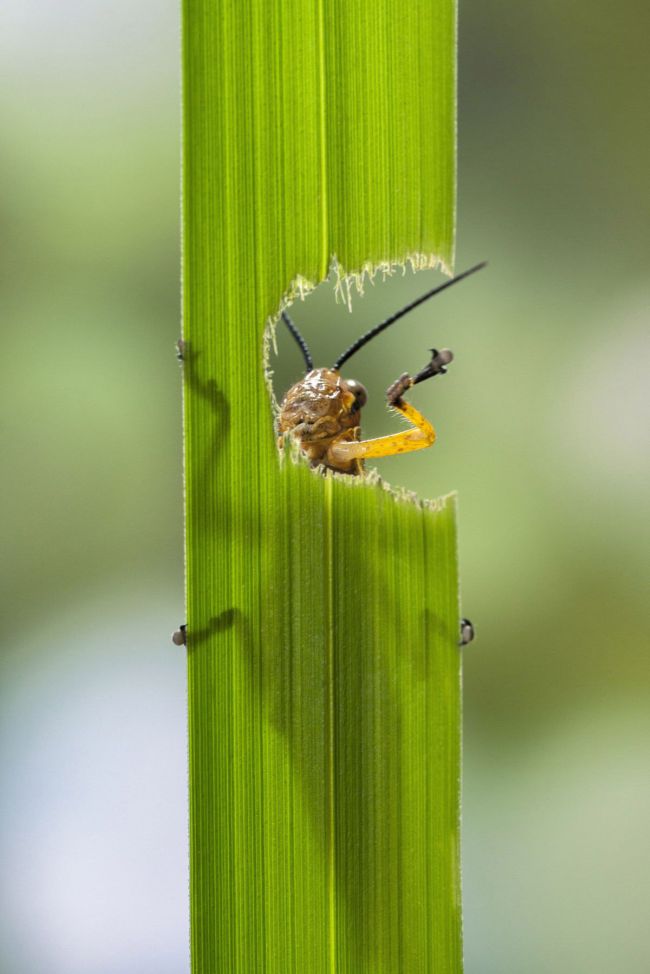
(323, 670)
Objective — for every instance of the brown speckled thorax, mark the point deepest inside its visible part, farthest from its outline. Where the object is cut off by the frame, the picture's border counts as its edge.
(321, 409)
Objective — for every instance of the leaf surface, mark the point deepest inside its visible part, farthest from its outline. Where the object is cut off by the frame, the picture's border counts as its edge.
(323, 666)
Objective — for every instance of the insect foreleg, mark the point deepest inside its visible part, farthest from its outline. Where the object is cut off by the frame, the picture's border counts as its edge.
(419, 437)
(422, 435)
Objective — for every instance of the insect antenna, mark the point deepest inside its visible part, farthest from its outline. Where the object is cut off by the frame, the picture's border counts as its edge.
(309, 362)
(369, 335)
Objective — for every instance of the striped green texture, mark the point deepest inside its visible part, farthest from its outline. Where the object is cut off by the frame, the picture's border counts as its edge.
(323, 666)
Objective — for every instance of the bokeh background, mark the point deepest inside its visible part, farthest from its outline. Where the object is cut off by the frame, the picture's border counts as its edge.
(542, 419)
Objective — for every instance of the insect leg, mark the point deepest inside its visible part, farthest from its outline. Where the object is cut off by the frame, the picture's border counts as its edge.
(421, 435)
(467, 632)
(179, 637)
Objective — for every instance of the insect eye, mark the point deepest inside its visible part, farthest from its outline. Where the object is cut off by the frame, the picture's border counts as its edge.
(358, 391)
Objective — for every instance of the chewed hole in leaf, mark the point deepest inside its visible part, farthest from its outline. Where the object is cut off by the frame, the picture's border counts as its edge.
(371, 339)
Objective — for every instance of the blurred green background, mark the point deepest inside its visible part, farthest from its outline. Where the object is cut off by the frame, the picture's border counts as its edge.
(542, 423)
